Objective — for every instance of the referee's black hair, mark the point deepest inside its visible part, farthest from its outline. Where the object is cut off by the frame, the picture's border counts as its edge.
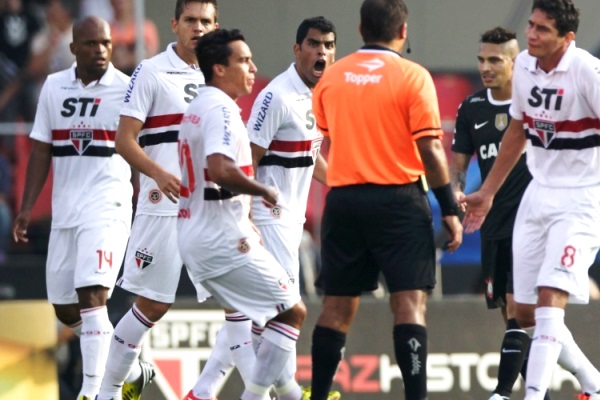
(563, 12)
(213, 48)
(381, 20)
(498, 35)
(320, 23)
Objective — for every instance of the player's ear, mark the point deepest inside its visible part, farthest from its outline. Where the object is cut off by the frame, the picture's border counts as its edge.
(403, 34)
(219, 70)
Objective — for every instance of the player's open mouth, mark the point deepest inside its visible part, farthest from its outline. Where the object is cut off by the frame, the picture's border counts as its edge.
(320, 66)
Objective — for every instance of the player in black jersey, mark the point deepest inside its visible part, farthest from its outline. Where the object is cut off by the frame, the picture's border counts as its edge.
(480, 124)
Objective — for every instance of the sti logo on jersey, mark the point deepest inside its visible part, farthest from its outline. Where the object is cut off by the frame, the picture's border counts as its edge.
(545, 131)
(550, 98)
(71, 104)
(143, 258)
(81, 139)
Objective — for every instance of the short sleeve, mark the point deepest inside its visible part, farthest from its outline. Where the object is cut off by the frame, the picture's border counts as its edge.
(462, 142)
(42, 129)
(140, 93)
(268, 114)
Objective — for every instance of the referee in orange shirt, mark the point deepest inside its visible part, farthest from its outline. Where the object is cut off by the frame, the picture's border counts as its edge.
(381, 114)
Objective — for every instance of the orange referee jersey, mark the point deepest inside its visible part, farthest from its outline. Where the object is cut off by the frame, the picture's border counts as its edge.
(374, 104)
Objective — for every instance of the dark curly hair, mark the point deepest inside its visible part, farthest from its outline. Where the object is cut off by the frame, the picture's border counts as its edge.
(563, 12)
(498, 35)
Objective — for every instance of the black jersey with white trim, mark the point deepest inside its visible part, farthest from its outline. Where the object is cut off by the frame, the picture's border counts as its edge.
(480, 125)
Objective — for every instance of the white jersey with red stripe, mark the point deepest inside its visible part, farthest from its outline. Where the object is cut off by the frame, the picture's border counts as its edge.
(283, 123)
(213, 225)
(159, 92)
(560, 111)
(90, 180)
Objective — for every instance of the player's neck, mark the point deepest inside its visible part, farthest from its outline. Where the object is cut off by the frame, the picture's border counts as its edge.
(189, 57)
(502, 93)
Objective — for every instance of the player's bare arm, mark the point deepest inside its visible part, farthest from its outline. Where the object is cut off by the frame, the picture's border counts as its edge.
(37, 173)
(436, 171)
(479, 203)
(127, 146)
(320, 171)
(458, 174)
(224, 172)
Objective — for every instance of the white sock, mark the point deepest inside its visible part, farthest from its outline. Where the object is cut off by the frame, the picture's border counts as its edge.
(124, 351)
(96, 331)
(286, 386)
(215, 370)
(240, 344)
(278, 342)
(546, 345)
(572, 359)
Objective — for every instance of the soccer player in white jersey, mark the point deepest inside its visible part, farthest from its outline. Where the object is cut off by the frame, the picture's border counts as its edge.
(217, 240)
(555, 115)
(159, 92)
(74, 130)
(285, 147)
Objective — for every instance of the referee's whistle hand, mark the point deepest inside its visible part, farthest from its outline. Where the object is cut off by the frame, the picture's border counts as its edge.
(455, 232)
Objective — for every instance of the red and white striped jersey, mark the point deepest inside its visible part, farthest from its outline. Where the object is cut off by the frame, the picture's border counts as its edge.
(159, 92)
(560, 111)
(283, 123)
(90, 180)
(214, 221)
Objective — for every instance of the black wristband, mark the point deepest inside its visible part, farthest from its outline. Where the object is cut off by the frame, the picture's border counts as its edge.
(445, 196)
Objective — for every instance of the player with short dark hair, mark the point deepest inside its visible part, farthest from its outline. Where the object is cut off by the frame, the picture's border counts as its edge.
(74, 130)
(481, 121)
(159, 92)
(377, 217)
(555, 111)
(217, 239)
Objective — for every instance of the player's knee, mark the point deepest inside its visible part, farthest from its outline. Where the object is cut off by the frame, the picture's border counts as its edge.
(295, 316)
(68, 314)
(525, 315)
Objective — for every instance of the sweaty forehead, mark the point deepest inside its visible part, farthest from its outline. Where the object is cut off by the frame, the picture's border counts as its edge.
(316, 34)
(91, 29)
(197, 9)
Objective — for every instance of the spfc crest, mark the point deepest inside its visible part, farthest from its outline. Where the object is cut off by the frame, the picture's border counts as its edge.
(501, 121)
(545, 130)
(143, 258)
(81, 139)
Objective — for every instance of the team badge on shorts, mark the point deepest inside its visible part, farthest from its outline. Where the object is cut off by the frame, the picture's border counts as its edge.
(143, 258)
(276, 212)
(155, 196)
(243, 246)
(489, 288)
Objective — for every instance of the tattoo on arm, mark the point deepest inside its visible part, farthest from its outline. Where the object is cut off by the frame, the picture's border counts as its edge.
(458, 170)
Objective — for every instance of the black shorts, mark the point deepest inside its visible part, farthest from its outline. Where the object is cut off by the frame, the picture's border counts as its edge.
(496, 263)
(368, 229)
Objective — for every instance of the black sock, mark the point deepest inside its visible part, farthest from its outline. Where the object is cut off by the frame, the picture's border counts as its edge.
(513, 357)
(410, 346)
(327, 348)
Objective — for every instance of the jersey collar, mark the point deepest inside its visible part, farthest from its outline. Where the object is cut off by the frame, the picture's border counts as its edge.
(105, 80)
(298, 83)
(370, 48)
(563, 64)
(175, 60)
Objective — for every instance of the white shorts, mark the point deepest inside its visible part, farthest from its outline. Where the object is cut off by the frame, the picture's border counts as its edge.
(283, 241)
(260, 290)
(152, 262)
(83, 256)
(556, 238)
